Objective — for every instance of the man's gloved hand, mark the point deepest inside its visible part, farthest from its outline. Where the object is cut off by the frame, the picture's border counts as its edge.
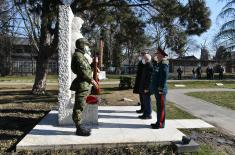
(146, 91)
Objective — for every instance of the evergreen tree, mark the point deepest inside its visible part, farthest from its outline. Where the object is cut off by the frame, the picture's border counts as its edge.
(226, 35)
(222, 54)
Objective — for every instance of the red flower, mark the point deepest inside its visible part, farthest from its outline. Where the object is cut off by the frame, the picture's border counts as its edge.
(91, 99)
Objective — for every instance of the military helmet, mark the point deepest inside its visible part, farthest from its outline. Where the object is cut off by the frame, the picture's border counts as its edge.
(80, 43)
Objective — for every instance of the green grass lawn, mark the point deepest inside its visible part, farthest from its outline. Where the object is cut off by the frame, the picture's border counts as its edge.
(173, 112)
(225, 99)
(189, 84)
(27, 79)
(202, 84)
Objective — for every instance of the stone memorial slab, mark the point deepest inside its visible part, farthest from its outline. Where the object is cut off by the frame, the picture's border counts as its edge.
(219, 84)
(190, 148)
(180, 85)
(116, 125)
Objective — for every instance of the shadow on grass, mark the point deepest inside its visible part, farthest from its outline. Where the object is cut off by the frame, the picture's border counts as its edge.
(27, 92)
(26, 100)
(13, 124)
(27, 97)
(26, 111)
(4, 136)
(16, 121)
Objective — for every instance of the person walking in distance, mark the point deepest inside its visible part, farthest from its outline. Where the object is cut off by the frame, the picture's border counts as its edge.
(193, 73)
(179, 71)
(221, 72)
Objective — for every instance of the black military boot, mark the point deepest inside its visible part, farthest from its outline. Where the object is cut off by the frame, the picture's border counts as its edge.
(139, 111)
(81, 131)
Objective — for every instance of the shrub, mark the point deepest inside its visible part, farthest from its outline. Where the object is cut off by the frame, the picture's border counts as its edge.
(126, 82)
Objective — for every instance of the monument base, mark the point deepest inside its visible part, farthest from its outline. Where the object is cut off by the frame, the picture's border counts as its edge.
(118, 125)
(90, 115)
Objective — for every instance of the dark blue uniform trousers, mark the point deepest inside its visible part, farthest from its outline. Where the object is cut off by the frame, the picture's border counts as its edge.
(161, 109)
(147, 104)
(141, 101)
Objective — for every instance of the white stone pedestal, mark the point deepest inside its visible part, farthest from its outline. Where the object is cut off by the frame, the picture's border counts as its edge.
(90, 115)
(69, 32)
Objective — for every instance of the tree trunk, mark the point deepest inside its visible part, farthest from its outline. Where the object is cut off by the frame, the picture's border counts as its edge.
(46, 50)
(42, 64)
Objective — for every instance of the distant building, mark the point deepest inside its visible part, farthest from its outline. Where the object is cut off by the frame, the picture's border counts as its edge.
(189, 62)
(23, 58)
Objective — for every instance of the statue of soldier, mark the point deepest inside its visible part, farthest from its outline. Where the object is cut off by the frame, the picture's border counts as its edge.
(80, 66)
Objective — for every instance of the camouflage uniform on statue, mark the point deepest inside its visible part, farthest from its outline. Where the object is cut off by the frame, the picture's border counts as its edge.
(80, 66)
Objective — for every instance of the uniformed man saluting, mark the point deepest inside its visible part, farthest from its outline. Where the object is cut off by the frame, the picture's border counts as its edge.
(80, 66)
(158, 86)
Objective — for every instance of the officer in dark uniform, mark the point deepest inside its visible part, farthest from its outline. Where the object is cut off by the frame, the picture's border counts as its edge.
(199, 72)
(179, 71)
(221, 72)
(80, 66)
(158, 86)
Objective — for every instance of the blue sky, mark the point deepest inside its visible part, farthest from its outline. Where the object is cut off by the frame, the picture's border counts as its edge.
(215, 7)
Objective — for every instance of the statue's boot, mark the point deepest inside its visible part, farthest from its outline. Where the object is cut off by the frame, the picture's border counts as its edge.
(81, 131)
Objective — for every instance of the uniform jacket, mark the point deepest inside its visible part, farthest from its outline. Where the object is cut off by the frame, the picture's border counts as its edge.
(145, 77)
(159, 77)
(179, 70)
(138, 78)
(82, 69)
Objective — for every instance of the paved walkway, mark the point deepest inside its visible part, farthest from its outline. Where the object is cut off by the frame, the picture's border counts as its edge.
(117, 125)
(175, 81)
(219, 116)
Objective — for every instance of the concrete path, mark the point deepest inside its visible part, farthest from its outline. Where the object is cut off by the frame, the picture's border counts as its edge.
(221, 117)
(117, 125)
(190, 80)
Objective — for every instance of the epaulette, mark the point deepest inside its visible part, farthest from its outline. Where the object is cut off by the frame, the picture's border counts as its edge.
(165, 61)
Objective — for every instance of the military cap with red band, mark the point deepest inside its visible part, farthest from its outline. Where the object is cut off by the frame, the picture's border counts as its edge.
(161, 51)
